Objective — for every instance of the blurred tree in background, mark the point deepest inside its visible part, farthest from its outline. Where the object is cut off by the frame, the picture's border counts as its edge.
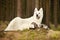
(55, 12)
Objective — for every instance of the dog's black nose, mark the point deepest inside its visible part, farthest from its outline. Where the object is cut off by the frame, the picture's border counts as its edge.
(37, 15)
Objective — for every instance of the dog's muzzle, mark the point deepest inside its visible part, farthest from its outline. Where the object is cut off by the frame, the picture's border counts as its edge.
(37, 16)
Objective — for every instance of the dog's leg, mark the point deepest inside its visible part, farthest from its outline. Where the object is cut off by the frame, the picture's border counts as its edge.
(44, 26)
(34, 25)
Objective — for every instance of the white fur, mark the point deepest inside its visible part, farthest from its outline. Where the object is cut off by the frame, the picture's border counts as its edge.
(45, 26)
(21, 24)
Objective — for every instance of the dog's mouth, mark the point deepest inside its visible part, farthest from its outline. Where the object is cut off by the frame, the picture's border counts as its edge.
(37, 16)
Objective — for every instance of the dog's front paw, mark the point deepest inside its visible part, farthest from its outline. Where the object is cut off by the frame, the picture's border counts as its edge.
(31, 26)
(44, 26)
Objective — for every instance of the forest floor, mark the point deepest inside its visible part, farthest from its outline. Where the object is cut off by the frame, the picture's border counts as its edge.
(37, 34)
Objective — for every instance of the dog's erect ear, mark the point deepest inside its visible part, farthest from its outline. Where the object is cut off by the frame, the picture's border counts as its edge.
(36, 9)
(41, 10)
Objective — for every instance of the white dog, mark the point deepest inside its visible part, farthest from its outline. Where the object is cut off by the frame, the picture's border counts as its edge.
(21, 24)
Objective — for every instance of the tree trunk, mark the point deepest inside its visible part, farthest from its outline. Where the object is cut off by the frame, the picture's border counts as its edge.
(37, 4)
(40, 3)
(0, 9)
(48, 13)
(55, 12)
(44, 11)
(8, 9)
(33, 6)
(29, 8)
(19, 8)
(15, 8)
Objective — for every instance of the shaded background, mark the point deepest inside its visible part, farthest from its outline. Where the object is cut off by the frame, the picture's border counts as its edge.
(9, 9)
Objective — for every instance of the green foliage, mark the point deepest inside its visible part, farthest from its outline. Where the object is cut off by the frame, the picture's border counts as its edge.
(55, 28)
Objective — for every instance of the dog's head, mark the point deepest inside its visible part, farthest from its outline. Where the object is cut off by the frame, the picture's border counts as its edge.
(38, 13)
